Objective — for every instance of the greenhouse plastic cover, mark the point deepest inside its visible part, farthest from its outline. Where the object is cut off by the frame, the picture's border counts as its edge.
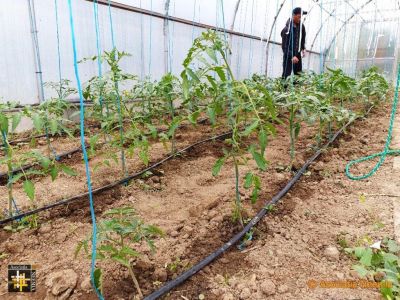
(353, 33)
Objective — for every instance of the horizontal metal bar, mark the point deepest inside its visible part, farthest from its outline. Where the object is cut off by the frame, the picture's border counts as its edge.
(184, 21)
(362, 59)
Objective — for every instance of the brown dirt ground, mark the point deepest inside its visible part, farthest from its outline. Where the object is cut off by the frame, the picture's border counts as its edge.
(194, 209)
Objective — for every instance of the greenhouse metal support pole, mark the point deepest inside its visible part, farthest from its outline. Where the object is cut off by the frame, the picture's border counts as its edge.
(35, 40)
(166, 36)
(269, 37)
(233, 27)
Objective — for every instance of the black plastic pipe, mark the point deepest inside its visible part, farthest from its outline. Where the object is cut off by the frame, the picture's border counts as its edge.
(4, 175)
(237, 237)
(114, 184)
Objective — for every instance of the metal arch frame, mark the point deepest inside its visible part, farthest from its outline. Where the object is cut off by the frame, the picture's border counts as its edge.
(341, 28)
(331, 14)
(270, 35)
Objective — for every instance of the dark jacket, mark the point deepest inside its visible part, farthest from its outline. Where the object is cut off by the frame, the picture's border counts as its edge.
(288, 41)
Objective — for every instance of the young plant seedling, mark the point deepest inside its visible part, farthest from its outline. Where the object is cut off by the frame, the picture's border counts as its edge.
(117, 235)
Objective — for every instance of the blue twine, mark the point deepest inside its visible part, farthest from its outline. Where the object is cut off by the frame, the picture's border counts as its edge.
(58, 43)
(150, 37)
(251, 40)
(85, 156)
(121, 133)
(96, 25)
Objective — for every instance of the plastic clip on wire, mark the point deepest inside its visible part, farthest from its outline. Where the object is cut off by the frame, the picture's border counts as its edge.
(386, 151)
(85, 156)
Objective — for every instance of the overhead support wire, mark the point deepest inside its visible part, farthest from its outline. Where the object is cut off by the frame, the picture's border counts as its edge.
(184, 21)
(354, 9)
(341, 28)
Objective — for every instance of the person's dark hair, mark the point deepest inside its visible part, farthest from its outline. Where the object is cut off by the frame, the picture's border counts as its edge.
(297, 11)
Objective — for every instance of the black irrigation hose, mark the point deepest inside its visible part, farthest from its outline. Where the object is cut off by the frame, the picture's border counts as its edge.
(4, 175)
(237, 237)
(114, 184)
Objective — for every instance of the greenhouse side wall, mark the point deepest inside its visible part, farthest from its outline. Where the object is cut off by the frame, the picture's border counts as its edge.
(138, 34)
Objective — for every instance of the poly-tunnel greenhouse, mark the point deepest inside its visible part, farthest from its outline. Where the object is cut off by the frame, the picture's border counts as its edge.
(214, 149)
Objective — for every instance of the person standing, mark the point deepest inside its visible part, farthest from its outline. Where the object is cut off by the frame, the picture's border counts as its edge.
(293, 44)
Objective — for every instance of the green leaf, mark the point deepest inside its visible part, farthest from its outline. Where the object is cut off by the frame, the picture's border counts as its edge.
(218, 165)
(248, 180)
(16, 119)
(69, 171)
(297, 127)
(192, 75)
(53, 126)
(29, 189)
(393, 246)
(107, 248)
(211, 114)
(98, 279)
(123, 261)
(193, 117)
(37, 122)
(254, 196)
(44, 162)
(128, 251)
(53, 172)
(211, 54)
(152, 129)
(366, 258)
(259, 159)
(249, 129)
(360, 270)
(263, 140)
(221, 73)
(3, 123)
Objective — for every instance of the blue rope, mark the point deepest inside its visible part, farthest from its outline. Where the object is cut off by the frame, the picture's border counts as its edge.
(121, 132)
(238, 68)
(194, 17)
(171, 43)
(141, 44)
(321, 57)
(150, 37)
(96, 25)
(386, 151)
(251, 40)
(58, 43)
(85, 156)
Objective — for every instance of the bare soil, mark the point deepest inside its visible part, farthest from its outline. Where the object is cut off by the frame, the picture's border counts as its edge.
(195, 210)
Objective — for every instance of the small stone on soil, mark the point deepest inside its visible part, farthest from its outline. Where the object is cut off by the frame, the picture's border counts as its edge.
(331, 253)
(268, 287)
(160, 274)
(62, 282)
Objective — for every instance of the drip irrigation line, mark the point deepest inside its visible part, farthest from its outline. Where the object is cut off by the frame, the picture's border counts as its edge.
(116, 183)
(31, 165)
(79, 149)
(237, 237)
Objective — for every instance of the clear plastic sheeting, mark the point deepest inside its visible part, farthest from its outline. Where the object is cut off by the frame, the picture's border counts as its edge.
(347, 34)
